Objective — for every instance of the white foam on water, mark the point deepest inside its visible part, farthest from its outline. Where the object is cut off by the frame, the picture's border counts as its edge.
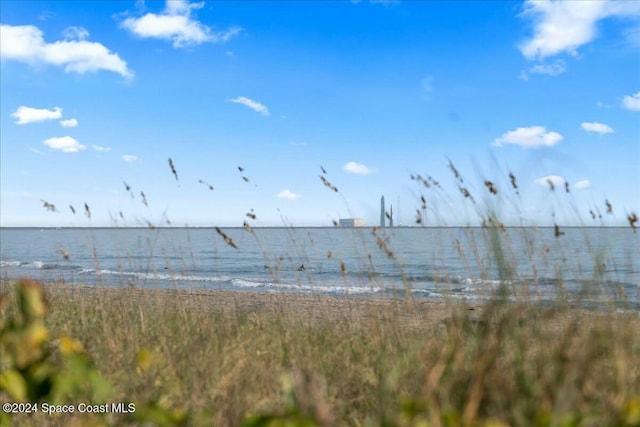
(161, 276)
(306, 288)
(248, 283)
(5, 264)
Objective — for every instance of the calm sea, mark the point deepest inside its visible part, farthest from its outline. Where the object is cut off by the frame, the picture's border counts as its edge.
(584, 264)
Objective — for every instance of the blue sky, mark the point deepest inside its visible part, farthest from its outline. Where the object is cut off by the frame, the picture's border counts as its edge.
(97, 96)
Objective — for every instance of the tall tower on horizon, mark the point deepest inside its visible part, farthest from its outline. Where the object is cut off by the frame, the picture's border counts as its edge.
(382, 221)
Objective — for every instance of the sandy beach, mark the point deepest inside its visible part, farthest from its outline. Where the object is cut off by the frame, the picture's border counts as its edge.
(306, 309)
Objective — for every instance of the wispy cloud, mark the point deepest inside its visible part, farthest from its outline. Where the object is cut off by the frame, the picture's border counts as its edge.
(69, 123)
(101, 148)
(595, 127)
(564, 26)
(582, 184)
(25, 43)
(553, 69)
(31, 115)
(45, 15)
(36, 151)
(175, 23)
(529, 137)
(129, 158)
(288, 195)
(554, 179)
(631, 102)
(75, 33)
(254, 105)
(66, 144)
(357, 168)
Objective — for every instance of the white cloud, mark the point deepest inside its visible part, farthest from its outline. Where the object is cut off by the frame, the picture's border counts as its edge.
(25, 43)
(585, 183)
(554, 179)
(101, 148)
(177, 25)
(631, 102)
(30, 115)
(254, 105)
(554, 69)
(564, 26)
(129, 158)
(225, 36)
(560, 26)
(357, 168)
(596, 127)
(287, 194)
(75, 33)
(601, 104)
(69, 123)
(530, 137)
(180, 29)
(180, 7)
(66, 144)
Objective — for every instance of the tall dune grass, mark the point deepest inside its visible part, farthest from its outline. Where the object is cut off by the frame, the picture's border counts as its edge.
(244, 359)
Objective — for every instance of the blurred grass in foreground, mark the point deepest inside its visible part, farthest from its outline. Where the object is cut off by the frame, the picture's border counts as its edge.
(233, 359)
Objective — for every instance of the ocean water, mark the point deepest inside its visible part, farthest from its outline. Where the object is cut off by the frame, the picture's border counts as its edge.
(589, 265)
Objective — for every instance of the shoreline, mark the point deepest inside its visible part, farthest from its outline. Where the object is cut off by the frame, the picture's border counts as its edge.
(312, 309)
(309, 308)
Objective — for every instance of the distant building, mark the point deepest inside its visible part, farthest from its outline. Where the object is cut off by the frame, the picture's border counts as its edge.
(351, 222)
(384, 215)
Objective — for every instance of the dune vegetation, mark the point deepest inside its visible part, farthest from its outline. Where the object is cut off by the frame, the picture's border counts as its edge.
(224, 358)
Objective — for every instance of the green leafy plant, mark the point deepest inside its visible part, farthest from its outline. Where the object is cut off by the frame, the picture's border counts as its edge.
(36, 368)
